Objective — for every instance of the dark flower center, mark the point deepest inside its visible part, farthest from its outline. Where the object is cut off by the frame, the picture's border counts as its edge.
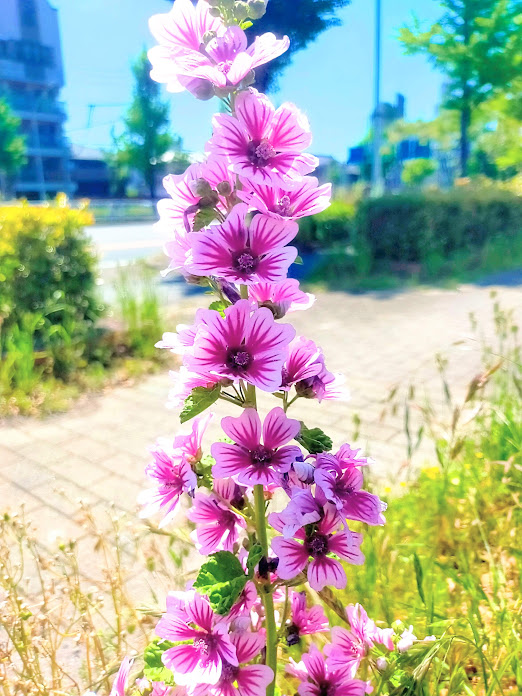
(284, 206)
(326, 688)
(228, 672)
(267, 566)
(260, 152)
(317, 545)
(238, 359)
(245, 261)
(261, 456)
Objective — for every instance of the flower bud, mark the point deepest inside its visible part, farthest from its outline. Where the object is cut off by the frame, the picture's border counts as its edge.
(209, 201)
(249, 79)
(381, 663)
(256, 8)
(224, 188)
(214, 3)
(208, 36)
(214, 11)
(222, 92)
(241, 10)
(227, 4)
(200, 187)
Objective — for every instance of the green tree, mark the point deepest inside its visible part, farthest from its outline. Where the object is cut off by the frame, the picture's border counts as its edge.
(477, 45)
(145, 138)
(12, 146)
(416, 171)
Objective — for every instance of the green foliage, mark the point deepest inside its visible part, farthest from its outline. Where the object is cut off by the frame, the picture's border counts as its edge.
(416, 171)
(138, 306)
(410, 227)
(12, 145)
(314, 440)
(302, 27)
(222, 579)
(146, 137)
(199, 400)
(335, 225)
(153, 668)
(477, 45)
(254, 556)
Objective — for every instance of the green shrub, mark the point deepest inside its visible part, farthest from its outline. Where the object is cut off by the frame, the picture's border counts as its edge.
(414, 227)
(47, 266)
(329, 228)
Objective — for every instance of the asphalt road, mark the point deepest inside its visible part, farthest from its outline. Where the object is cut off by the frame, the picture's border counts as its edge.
(122, 244)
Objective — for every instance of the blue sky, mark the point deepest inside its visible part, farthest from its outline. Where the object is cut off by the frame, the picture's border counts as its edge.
(331, 81)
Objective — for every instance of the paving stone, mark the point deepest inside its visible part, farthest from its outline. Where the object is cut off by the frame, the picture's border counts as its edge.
(27, 474)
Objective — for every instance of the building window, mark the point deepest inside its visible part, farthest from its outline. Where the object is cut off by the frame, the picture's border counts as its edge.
(28, 15)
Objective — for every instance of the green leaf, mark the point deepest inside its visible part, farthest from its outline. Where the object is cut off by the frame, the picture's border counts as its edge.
(199, 400)
(222, 579)
(419, 575)
(254, 556)
(314, 440)
(154, 669)
(219, 306)
(298, 260)
(246, 24)
(203, 218)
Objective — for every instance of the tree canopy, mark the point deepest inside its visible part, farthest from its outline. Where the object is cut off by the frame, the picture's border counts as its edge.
(145, 138)
(12, 145)
(477, 45)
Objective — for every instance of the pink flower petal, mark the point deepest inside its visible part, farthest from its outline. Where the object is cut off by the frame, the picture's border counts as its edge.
(245, 429)
(255, 112)
(200, 612)
(290, 129)
(278, 429)
(248, 645)
(293, 557)
(231, 460)
(267, 234)
(326, 571)
(252, 680)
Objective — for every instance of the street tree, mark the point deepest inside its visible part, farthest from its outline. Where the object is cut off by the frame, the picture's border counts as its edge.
(12, 147)
(477, 45)
(145, 138)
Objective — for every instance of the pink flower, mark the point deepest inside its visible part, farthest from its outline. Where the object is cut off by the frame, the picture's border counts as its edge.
(247, 600)
(217, 526)
(244, 344)
(407, 640)
(350, 646)
(343, 489)
(244, 254)
(171, 470)
(305, 369)
(226, 60)
(281, 297)
(250, 461)
(302, 509)
(118, 686)
(304, 621)
(177, 212)
(180, 34)
(264, 145)
(345, 458)
(208, 648)
(173, 479)
(319, 679)
(238, 680)
(328, 536)
(306, 198)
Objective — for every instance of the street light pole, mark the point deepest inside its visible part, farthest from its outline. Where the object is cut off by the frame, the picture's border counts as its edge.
(377, 178)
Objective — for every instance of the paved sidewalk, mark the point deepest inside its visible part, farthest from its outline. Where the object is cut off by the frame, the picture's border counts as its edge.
(97, 451)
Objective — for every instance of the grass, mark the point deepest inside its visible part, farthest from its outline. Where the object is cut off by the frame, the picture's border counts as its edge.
(44, 368)
(448, 561)
(349, 271)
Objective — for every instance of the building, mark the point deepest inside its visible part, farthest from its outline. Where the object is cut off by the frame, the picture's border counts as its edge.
(90, 173)
(31, 76)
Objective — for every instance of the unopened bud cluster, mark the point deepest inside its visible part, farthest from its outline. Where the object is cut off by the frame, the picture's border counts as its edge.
(237, 11)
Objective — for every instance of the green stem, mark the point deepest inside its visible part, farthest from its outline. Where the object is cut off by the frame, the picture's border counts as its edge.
(265, 590)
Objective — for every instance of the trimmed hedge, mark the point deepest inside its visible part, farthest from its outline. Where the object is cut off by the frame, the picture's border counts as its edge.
(47, 266)
(414, 227)
(333, 226)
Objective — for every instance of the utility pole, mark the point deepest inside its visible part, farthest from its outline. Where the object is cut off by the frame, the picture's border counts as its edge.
(377, 178)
